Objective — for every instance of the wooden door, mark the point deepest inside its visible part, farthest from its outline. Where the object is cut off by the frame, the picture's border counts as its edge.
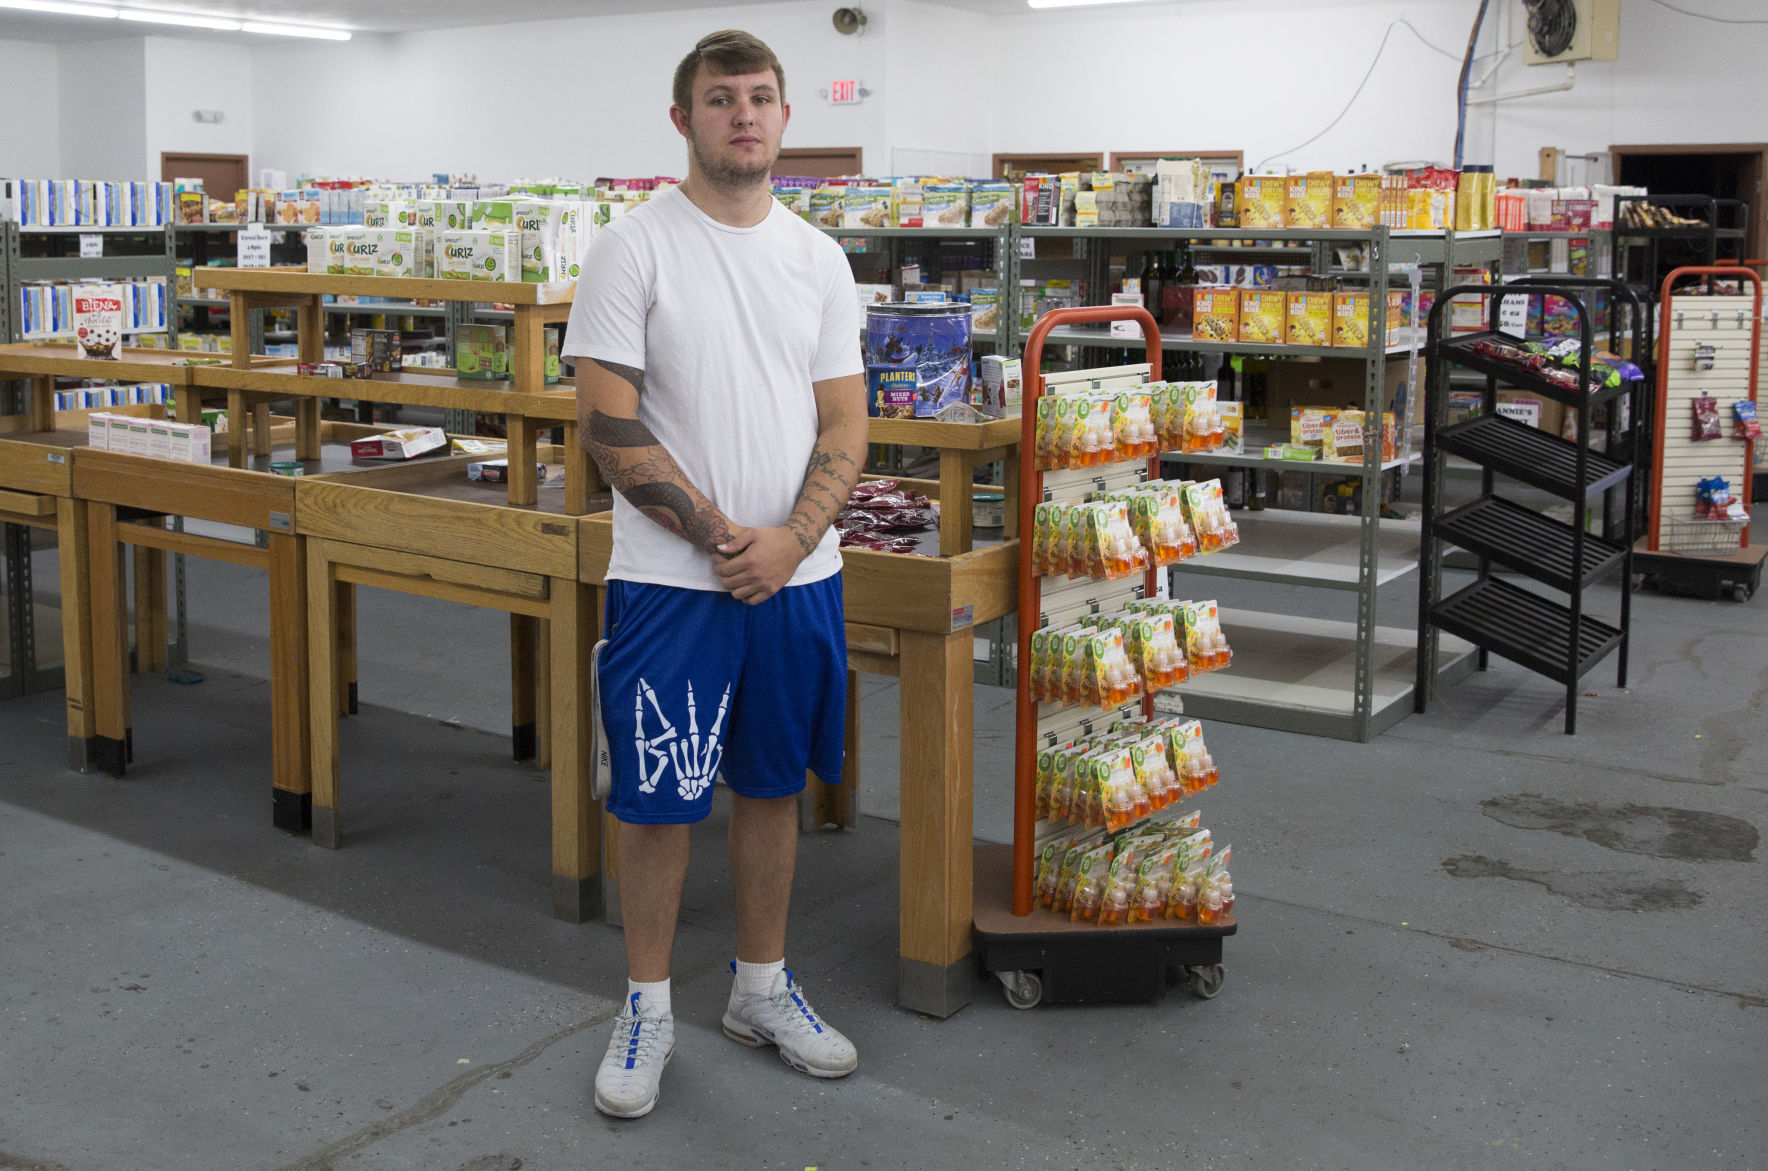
(819, 162)
(1012, 165)
(222, 175)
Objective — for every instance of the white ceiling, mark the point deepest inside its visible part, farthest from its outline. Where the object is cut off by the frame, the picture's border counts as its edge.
(373, 16)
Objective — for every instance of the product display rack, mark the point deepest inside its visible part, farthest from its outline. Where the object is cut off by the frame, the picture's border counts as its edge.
(1711, 347)
(1717, 239)
(1558, 640)
(1006, 337)
(204, 242)
(1343, 679)
(1035, 954)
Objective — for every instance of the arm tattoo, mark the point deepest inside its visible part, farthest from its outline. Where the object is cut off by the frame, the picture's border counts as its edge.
(641, 469)
(828, 479)
(632, 376)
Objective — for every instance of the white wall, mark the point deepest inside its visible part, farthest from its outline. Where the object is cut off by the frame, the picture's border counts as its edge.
(938, 88)
(184, 76)
(103, 123)
(596, 95)
(30, 140)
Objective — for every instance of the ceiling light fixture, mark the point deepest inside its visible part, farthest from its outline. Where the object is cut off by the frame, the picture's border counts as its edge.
(1075, 3)
(182, 19)
(60, 9)
(295, 30)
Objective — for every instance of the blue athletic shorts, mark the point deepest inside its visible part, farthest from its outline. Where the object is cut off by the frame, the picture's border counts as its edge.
(697, 686)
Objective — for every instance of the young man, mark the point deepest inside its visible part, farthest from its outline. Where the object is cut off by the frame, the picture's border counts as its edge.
(721, 392)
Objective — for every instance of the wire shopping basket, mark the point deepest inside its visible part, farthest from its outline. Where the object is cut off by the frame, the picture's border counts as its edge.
(1700, 535)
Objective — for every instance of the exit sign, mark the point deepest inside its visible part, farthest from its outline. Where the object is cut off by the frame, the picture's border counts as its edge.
(843, 93)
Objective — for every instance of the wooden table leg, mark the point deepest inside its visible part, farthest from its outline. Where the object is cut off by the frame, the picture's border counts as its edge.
(310, 331)
(322, 708)
(523, 452)
(522, 636)
(581, 478)
(1010, 489)
(72, 540)
(150, 608)
(346, 648)
(239, 330)
(187, 407)
(955, 471)
(577, 827)
(836, 805)
(938, 722)
(261, 429)
(543, 730)
(110, 675)
(236, 429)
(42, 407)
(291, 705)
(307, 428)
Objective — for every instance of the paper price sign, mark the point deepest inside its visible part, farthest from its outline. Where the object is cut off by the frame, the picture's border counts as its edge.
(1027, 248)
(91, 245)
(1513, 316)
(254, 247)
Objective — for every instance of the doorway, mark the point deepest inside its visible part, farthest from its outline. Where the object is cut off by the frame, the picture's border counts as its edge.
(1013, 166)
(1726, 171)
(223, 176)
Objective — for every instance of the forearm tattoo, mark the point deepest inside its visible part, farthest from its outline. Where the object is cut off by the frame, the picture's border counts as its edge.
(640, 468)
(829, 477)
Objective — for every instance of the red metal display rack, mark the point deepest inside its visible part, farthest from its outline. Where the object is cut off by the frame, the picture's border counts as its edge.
(1037, 955)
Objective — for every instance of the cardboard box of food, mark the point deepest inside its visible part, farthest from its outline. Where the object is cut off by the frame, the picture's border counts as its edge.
(1356, 201)
(866, 207)
(1001, 387)
(1346, 432)
(1350, 319)
(478, 255)
(1262, 317)
(1307, 202)
(1263, 199)
(1307, 426)
(497, 471)
(1308, 319)
(1216, 316)
(404, 443)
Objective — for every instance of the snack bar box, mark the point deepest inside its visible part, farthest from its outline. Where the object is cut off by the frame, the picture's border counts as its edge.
(402, 444)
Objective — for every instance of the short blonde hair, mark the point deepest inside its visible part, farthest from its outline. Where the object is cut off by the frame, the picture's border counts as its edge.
(725, 53)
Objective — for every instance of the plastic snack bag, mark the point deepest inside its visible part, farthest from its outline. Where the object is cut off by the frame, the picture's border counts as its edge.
(1706, 418)
(1743, 420)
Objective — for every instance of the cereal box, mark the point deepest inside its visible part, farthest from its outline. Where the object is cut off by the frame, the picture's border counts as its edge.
(1356, 201)
(991, 204)
(1216, 315)
(1262, 201)
(1308, 319)
(795, 200)
(478, 255)
(866, 207)
(1307, 202)
(1000, 388)
(945, 205)
(1262, 317)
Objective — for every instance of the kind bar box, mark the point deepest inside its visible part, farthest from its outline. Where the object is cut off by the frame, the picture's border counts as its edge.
(1350, 319)
(477, 255)
(1262, 200)
(1216, 316)
(1308, 319)
(481, 351)
(1308, 201)
(1001, 390)
(1262, 317)
(402, 444)
(1356, 202)
(98, 321)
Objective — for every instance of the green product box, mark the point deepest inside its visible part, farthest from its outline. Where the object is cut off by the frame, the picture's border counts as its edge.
(551, 333)
(481, 352)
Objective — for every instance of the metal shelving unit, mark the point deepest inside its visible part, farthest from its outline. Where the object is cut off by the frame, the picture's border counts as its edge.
(1344, 679)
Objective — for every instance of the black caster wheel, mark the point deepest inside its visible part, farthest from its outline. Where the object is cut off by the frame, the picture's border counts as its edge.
(1023, 989)
(1206, 980)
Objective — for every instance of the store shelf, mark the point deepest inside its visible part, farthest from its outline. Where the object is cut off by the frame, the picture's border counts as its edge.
(411, 388)
(1460, 350)
(1528, 542)
(1531, 455)
(1101, 336)
(1299, 674)
(912, 233)
(298, 281)
(93, 229)
(377, 310)
(202, 302)
(1526, 628)
(90, 268)
(1261, 438)
(1309, 548)
(237, 227)
(1251, 236)
(67, 335)
(957, 436)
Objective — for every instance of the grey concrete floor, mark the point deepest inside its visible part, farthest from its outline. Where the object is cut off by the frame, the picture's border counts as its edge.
(1474, 942)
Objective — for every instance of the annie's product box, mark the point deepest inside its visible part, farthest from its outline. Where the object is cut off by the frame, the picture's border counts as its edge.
(1262, 317)
(478, 255)
(1000, 393)
(1216, 315)
(1308, 319)
(401, 444)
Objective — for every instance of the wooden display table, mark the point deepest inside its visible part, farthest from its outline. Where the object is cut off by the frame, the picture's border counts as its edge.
(962, 447)
(525, 400)
(911, 617)
(421, 528)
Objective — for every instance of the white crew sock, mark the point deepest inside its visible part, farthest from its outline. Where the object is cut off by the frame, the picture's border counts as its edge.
(758, 979)
(653, 999)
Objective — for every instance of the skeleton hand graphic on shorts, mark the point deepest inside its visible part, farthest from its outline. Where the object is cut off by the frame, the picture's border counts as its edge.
(696, 764)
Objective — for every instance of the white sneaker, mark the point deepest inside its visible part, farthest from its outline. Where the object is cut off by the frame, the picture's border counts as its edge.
(626, 1084)
(784, 1019)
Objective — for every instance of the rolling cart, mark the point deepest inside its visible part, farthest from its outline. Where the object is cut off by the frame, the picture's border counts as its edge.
(1038, 955)
(1711, 347)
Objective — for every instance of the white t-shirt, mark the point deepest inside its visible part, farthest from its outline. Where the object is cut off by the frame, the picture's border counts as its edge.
(731, 326)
